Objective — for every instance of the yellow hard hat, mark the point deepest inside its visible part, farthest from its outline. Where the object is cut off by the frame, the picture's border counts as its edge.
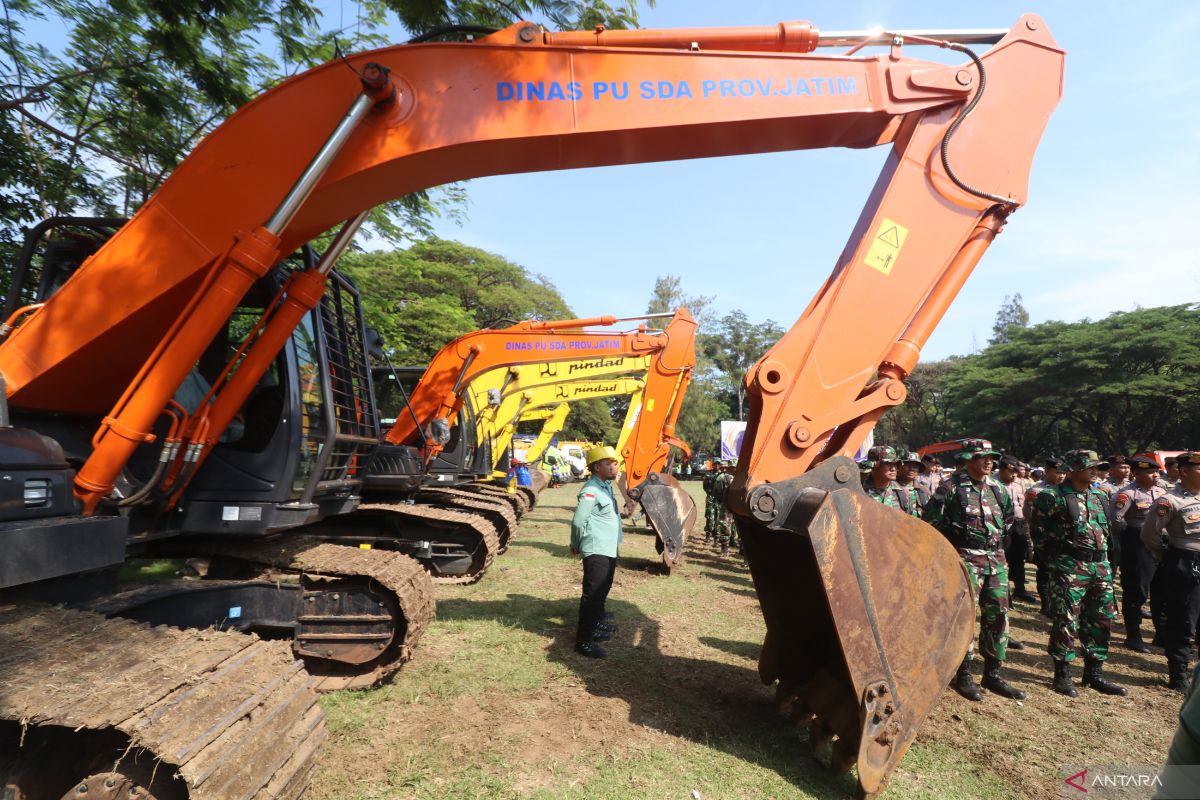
(599, 453)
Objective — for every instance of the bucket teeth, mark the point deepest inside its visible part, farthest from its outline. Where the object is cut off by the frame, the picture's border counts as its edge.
(868, 613)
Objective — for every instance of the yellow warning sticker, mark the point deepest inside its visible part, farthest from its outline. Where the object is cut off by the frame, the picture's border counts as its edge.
(885, 246)
(649, 403)
(364, 546)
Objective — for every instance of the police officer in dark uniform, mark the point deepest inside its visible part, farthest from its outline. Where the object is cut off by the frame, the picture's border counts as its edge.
(1131, 505)
(1018, 547)
(1177, 514)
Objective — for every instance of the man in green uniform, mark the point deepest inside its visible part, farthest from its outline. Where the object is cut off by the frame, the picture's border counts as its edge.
(710, 505)
(973, 511)
(724, 518)
(1071, 527)
(880, 481)
(1052, 475)
(596, 535)
(913, 496)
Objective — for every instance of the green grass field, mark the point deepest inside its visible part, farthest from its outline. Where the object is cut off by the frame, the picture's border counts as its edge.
(495, 703)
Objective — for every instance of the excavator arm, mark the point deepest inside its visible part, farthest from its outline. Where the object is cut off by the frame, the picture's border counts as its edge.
(850, 592)
(497, 393)
(548, 397)
(553, 419)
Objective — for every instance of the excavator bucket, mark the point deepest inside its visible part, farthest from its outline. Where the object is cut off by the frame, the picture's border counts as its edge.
(869, 612)
(671, 513)
(540, 481)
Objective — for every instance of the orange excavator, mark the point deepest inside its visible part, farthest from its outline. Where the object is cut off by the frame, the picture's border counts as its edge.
(868, 612)
(433, 424)
(439, 396)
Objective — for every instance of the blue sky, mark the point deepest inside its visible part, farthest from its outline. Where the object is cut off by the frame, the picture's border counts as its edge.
(1110, 224)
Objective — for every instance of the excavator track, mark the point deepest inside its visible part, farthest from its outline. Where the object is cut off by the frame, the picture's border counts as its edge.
(107, 708)
(345, 648)
(520, 500)
(499, 512)
(380, 517)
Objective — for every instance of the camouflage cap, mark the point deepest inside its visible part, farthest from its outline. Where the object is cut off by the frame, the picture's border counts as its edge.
(1170, 460)
(1188, 457)
(972, 448)
(1053, 462)
(1081, 459)
(866, 466)
(1144, 461)
(882, 452)
(909, 457)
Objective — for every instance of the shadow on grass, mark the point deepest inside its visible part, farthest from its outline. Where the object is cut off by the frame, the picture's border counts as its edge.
(740, 649)
(531, 517)
(556, 550)
(1034, 665)
(712, 703)
(739, 580)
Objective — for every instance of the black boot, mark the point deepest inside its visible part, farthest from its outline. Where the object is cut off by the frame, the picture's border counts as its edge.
(1062, 679)
(965, 685)
(1015, 644)
(1093, 676)
(1133, 639)
(994, 683)
(1024, 596)
(1177, 672)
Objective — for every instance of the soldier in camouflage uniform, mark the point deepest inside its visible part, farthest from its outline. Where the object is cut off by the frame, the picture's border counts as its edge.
(724, 519)
(1070, 524)
(1051, 476)
(1177, 516)
(973, 511)
(914, 496)
(880, 480)
(710, 505)
(881, 483)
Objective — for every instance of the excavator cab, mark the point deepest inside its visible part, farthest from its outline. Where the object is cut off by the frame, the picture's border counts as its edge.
(295, 450)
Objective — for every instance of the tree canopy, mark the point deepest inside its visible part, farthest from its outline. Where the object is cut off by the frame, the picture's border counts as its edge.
(422, 297)
(1128, 382)
(102, 100)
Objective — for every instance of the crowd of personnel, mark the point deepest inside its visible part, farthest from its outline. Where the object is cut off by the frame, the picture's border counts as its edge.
(1079, 519)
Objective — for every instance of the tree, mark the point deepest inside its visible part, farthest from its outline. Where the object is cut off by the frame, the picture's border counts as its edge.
(925, 416)
(425, 296)
(1011, 316)
(668, 295)
(95, 124)
(592, 421)
(700, 418)
(1121, 384)
(703, 407)
(734, 347)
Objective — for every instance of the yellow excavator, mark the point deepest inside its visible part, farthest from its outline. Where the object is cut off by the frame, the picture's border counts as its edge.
(552, 466)
(499, 428)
